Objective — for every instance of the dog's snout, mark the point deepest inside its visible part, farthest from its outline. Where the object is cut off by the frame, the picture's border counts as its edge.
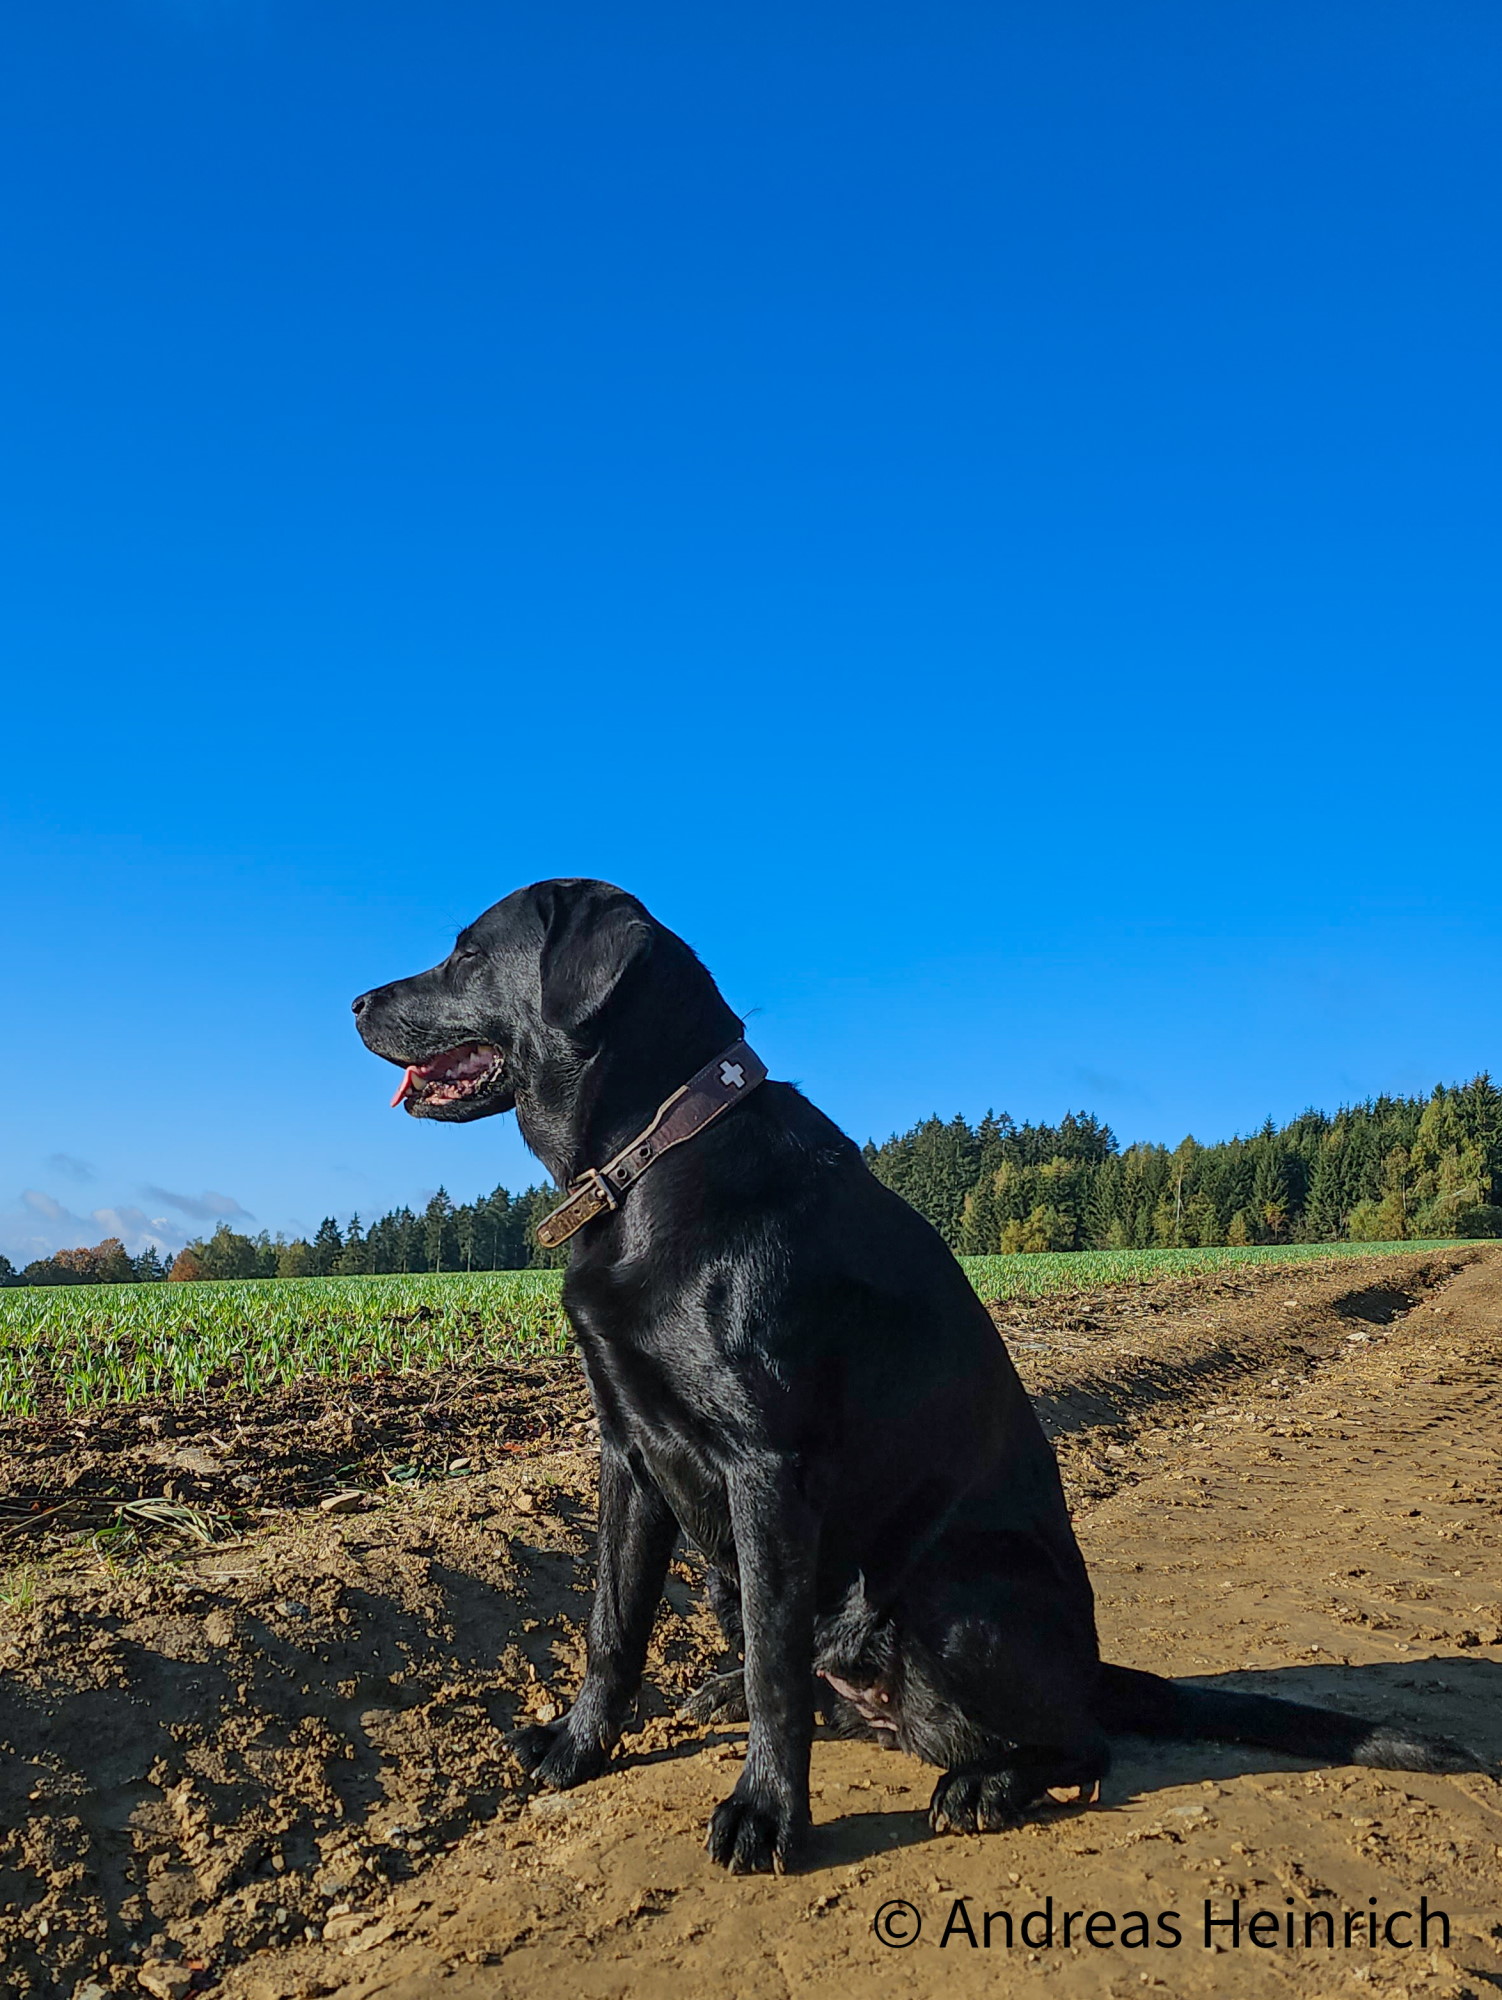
(360, 1002)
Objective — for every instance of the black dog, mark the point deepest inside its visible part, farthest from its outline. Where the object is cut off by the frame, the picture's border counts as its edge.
(790, 1369)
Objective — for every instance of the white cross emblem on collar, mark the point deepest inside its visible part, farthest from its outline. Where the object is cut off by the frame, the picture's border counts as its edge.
(732, 1075)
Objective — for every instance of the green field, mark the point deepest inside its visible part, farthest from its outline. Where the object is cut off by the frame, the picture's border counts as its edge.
(80, 1345)
(1030, 1277)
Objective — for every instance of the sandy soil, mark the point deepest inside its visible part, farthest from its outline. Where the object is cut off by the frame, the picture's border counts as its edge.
(275, 1767)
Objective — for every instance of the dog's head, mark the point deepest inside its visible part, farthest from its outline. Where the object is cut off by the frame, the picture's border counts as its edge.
(531, 994)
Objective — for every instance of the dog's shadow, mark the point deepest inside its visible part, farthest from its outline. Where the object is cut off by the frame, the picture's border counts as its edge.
(1455, 1696)
(1452, 1695)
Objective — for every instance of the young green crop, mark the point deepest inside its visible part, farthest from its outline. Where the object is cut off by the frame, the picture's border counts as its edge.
(89, 1344)
(83, 1345)
(1032, 1275)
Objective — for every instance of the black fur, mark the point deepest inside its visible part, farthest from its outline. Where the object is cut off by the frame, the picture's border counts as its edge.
(790, 1369)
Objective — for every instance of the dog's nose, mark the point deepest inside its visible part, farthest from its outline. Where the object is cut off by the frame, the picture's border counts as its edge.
(359, 1003)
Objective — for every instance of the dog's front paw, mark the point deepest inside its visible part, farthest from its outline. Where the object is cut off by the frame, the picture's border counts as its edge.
(722, 1698)
(555, 1757)
(751, 1834)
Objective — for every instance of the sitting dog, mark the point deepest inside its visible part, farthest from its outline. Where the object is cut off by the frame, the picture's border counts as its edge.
(791, 1370)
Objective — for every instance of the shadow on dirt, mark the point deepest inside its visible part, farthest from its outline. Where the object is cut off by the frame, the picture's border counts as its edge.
(1456, 1697)
(1446, 1695)
(1378, 1305)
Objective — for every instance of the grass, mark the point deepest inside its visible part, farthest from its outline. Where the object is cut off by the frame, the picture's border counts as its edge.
(1031, 1276)
(82, 1345)
(78, 1346)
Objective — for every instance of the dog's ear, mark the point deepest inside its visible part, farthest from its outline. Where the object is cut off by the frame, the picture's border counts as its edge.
(594, 936)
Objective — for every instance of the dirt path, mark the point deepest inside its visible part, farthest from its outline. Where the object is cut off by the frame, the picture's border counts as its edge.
(277, 1768)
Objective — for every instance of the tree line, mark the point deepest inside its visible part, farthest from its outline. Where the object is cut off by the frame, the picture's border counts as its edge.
(107, 1263)
(1383, 1171)
(493, 1233)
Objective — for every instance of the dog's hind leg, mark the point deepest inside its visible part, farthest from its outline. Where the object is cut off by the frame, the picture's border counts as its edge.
(719, 1700)
(724, 1594)
(989, 1797)
(722, 1698)
(993, 1678)
(990, 1782)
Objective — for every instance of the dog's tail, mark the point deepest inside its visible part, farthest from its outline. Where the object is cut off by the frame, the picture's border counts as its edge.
(1147, 1705)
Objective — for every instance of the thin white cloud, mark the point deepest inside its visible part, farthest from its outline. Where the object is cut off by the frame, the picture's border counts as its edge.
(69, 1164)
(39, 1224)
(209, 1206)
(127, 1221)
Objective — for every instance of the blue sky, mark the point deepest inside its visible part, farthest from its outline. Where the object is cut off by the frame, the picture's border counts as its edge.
(984, 516)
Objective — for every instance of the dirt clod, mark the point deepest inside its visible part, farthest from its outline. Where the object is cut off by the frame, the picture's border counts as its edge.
(165, 1982)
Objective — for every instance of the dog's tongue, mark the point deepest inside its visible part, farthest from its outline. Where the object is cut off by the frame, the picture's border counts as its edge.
(405, 1085)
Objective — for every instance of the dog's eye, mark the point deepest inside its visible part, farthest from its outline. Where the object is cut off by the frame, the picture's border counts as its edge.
(467, 953)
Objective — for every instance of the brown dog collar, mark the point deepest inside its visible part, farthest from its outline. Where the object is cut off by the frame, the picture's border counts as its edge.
(710, 1091)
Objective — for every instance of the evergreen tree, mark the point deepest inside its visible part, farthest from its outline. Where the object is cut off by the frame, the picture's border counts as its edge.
(466, 1220)
(934, 1167)
(1081, 1137)
(510, 1245)
(1200, 1223)
(438, 1232)
(1272, 1206)
(1480, 1105)
(1103, 1223)
(993, 1137)
(980, 1227)
(354, 1260)
(327, 1244)
(1325, 1214)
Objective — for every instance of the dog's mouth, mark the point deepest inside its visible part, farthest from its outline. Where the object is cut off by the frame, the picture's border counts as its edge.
(457, 1076)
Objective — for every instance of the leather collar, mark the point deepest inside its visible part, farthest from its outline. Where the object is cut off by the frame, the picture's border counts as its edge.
(732, 1075)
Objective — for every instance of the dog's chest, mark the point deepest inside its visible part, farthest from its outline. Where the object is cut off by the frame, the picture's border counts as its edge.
(696, 1493)
(674, 1423)
(689, 1476)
